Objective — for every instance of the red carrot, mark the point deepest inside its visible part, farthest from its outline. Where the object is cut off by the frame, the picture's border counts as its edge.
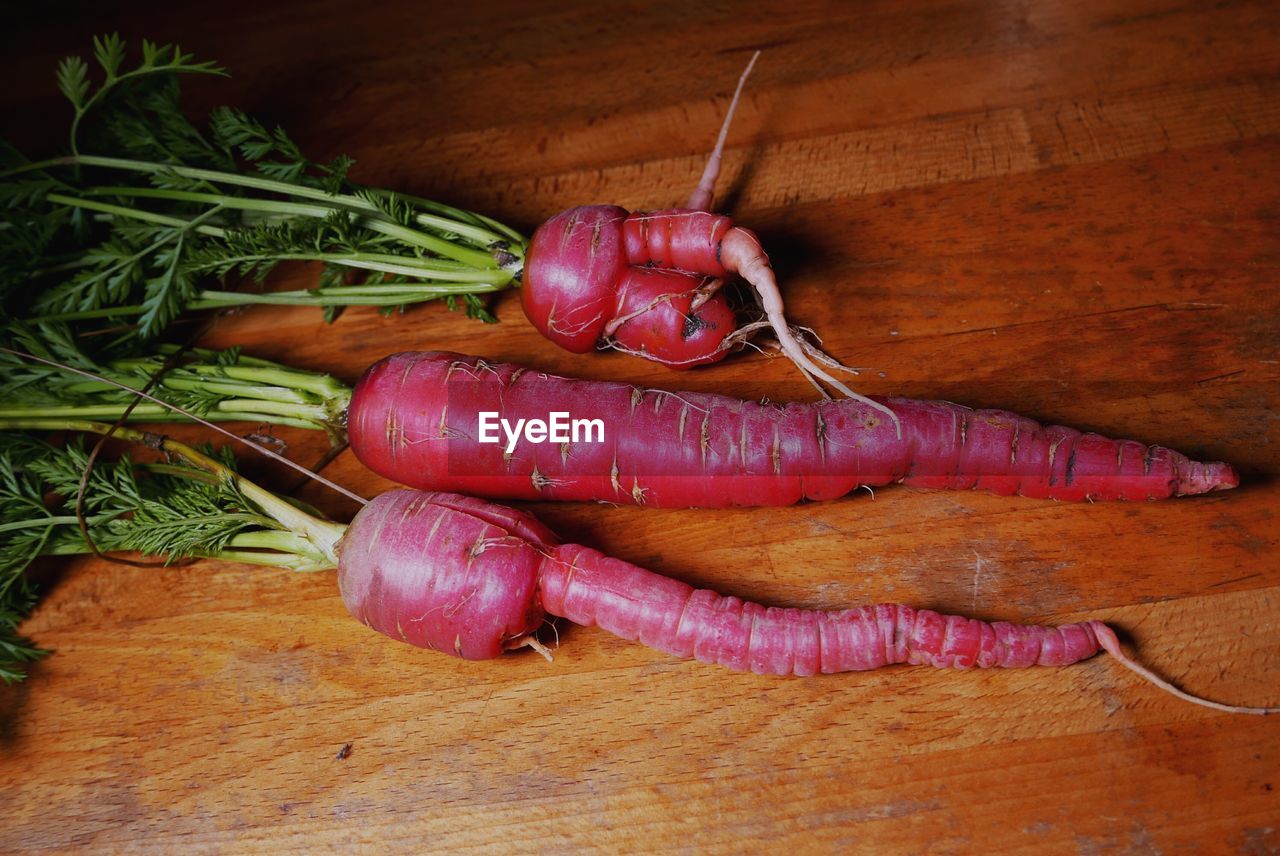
(648, 283)
(458, 575)
(474, 580)
(590, 588)
(414, 418)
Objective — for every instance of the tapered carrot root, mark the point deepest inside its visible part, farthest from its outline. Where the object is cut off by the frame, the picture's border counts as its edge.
(463, 577)
(590, 588)
(414, 418)
(700, 200)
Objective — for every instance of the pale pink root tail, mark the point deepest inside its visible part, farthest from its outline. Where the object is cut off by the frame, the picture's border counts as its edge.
(740, 252)
(1107, 639)
(701, 198)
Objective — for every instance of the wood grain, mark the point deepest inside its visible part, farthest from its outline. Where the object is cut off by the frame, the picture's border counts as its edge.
(1069, 209)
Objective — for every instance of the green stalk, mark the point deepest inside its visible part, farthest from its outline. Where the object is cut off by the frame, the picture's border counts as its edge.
(319, 537)
(133, 214)
(392, 294)
(474, 258)
(388, 294)
(453, 221)
(260, 371)
(423, 268)
(420, 267)
(224, 411)
(274, 206)
(42, 522)
(307, 563)
(233, 387)
(299, 554)
(370, 215)
(250, 390)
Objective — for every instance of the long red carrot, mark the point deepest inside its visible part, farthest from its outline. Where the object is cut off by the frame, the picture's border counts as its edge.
(414, 418)
(460, 575)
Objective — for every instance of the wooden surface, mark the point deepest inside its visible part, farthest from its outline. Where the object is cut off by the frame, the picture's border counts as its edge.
(1070, 209)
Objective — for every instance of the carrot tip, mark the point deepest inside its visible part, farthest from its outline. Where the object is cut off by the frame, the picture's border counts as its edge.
(1207, 477)
(1108, 642)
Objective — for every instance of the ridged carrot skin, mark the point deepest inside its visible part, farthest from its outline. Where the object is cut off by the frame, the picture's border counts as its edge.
(460, 576)
(414, 419)
(589, 588)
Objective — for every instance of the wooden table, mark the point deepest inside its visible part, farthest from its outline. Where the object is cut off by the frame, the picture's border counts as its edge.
(1068, 209)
